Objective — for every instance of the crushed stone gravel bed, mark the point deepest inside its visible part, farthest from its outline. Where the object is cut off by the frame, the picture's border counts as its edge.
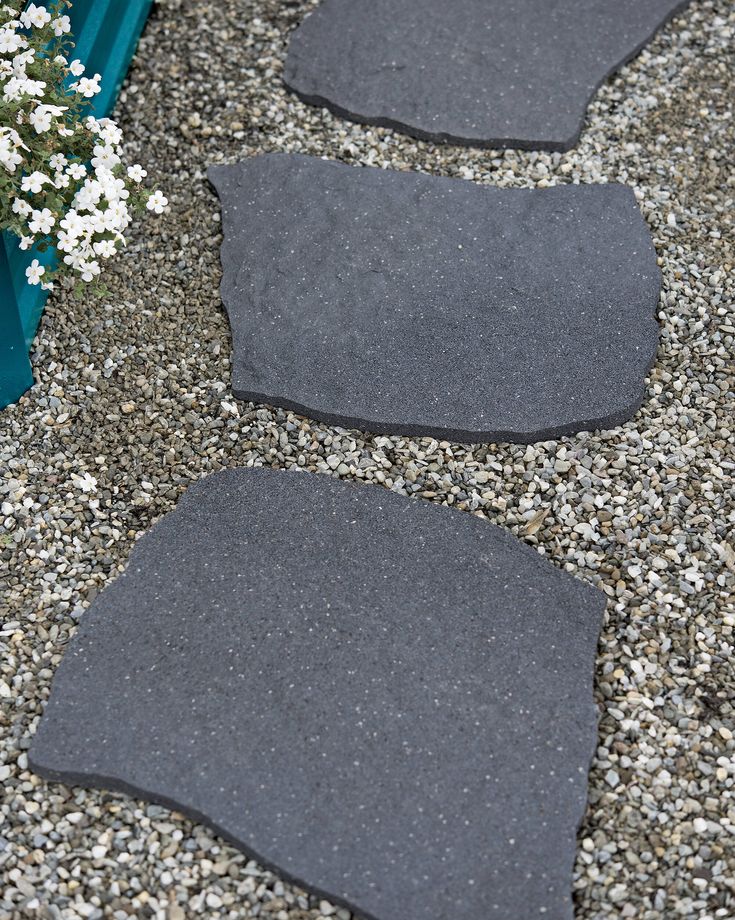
(133, 403)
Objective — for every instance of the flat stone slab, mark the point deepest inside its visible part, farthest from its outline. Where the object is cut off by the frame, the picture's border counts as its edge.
(387, 700)
(403, 303)
(489, 73)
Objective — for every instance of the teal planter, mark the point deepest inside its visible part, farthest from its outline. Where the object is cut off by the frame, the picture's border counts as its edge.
(106, 33)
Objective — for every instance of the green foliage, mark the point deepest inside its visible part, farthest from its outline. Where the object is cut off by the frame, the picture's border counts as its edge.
(63, 184)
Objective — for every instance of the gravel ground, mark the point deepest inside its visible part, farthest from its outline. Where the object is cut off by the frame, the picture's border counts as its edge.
(133, 403)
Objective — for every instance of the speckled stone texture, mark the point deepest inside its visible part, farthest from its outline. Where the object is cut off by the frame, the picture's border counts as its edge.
(490, 73)
(388, 700)
(404, 303)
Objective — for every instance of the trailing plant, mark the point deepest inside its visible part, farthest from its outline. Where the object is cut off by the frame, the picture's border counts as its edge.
(63, 182)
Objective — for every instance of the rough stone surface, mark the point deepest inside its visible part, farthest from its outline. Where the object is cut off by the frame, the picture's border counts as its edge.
(399, 302)
(490, 73)
(390, 701)
(646, 512)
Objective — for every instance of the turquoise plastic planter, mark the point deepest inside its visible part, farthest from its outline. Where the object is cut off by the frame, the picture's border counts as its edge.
(106, 32)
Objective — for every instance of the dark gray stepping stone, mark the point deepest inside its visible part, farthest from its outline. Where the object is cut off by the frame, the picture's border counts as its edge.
(403, 303)
(489, 73)
(387, 700)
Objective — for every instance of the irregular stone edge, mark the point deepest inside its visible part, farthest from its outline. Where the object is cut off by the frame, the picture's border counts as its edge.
(457, 435)
(117, 784)
(290, 81)
(220, 176)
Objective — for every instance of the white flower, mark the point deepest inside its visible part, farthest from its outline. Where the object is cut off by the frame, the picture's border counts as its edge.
(86, 482)
(65, 241)
(21, 207)
(77, 171)
(85, 202)
(34, 183)
(13, 89)
(88, 86)
(88, 196)
(34, 87)
(61, 25)
(117, 216)
(10, 136)
(157, 202)
(10, 41)
(41, 116)
(35, 272)
(40, 119)
(109, 132)
(105, 157)
(17, 87)
(89, 270)
(113, 187)
(72, 223)
(37, 16)
(42, 221)
(22, 60)
(9, 143)
(105, 248)
(137, 173)
(96, 222)
(10, 159)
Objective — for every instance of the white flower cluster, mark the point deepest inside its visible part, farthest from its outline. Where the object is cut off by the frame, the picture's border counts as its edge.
(63, 183)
